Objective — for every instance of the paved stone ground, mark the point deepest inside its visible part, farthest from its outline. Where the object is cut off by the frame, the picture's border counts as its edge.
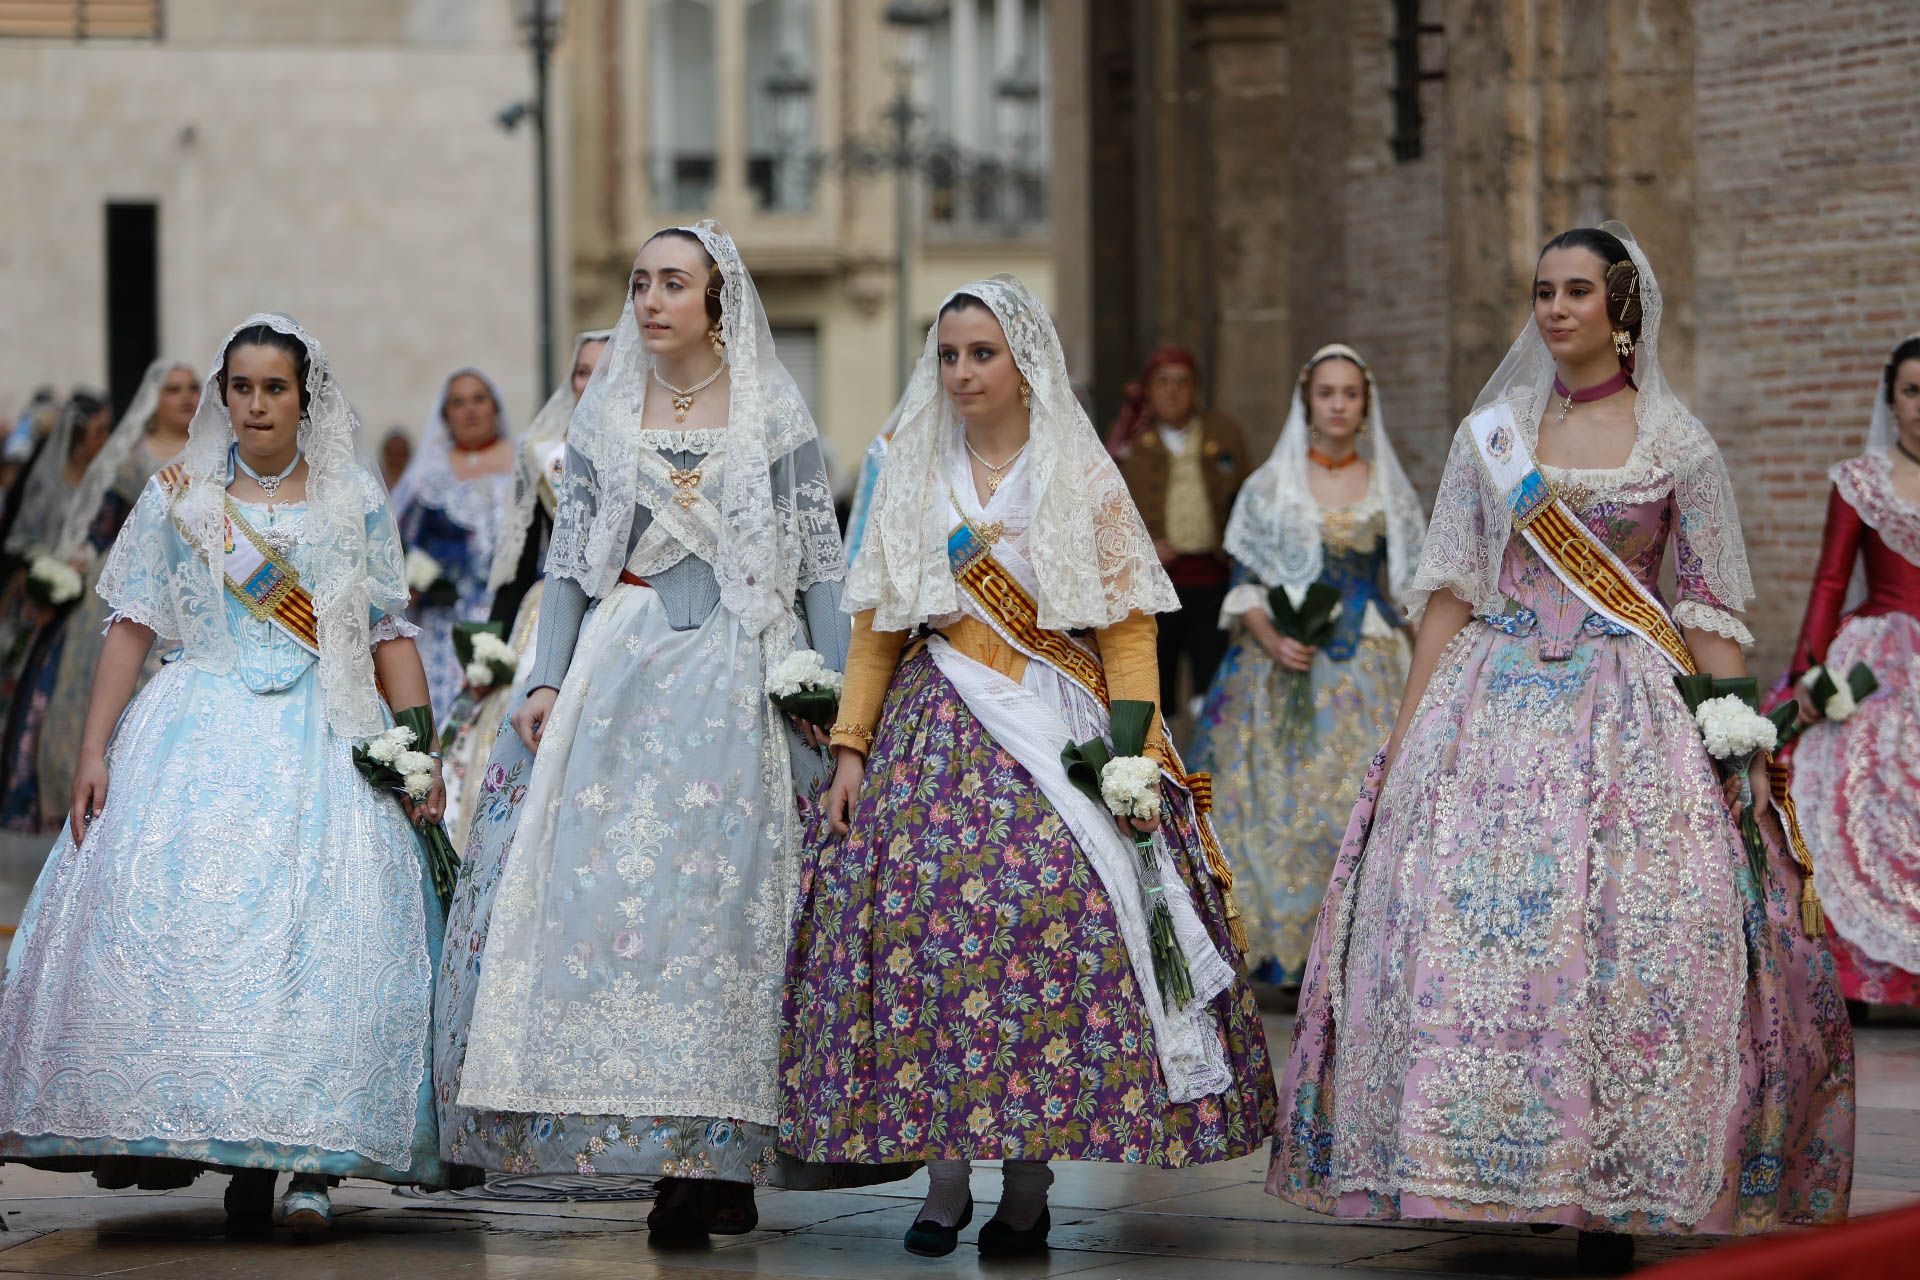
(1110, 1223)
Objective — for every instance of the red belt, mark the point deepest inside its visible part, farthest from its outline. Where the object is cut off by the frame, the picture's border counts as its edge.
(633, 579)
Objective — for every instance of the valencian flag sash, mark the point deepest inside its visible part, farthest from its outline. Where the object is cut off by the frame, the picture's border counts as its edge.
(1015, 616)
(257, 575)
(1592, 572)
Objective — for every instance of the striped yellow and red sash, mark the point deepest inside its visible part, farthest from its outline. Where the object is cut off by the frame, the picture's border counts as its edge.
(1015, 615)
(257, 575)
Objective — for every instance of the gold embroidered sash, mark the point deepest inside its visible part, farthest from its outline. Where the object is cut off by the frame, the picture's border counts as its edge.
(257, 575)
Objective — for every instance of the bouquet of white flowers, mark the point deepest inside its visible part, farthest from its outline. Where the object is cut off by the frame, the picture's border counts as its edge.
(487, 659)
(804, 686)
(428, 580)
(1127, 782)
(1306, 615)
(1736, 732)
(52, 581)
(1839, 699)
(390, 762)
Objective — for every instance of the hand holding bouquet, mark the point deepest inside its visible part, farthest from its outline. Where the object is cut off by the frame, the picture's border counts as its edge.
(1305, 615)
(1736, 732)
(390, 762)
(1837, 700)
(806, 688)
(1127, 782)
(53, 582)
(427, 580)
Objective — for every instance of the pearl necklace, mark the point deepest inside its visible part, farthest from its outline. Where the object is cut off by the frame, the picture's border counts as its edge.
(995, 474)
(683, 399)
(269, 485)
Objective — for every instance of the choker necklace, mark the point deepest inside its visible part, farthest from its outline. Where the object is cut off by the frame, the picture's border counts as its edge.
(269, 485)
(1905, 452)
(683, 400)
(471, 449)
(1314, 455)
(994, 474)
(1599, 391)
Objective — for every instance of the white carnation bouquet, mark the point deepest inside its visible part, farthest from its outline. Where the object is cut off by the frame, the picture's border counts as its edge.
(1736, 731)
(805, 687)
(53, 582)
(486, 658)
(427, 579)
(391, 762)
(1126, 781)
(1839, 699)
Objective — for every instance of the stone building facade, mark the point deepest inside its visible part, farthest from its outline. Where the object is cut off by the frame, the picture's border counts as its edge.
(338, 161)
(1256, 177)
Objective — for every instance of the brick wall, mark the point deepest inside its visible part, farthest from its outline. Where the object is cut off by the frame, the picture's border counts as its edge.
(1808, 258)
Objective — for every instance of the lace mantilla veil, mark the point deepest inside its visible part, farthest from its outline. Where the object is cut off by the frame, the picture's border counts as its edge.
(126, 437)
(429, 476)
(1275, 527)
(1875, 502)
(772, 545)
(1472, 523)
(37, 526)
(548, 426)
(1089, 546)
(350, 575)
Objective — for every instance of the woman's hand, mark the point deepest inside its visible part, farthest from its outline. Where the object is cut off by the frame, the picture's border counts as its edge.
(1290, 654)
(1760, 779)
(811, 733)
(1144, 826)
(89, 796)
(844, 791)
(434, 807)
(530, 721)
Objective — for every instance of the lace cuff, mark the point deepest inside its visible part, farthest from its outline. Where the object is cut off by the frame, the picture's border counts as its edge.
(392, 626)
(132, 615)
(1705, 617)
(1245, 597)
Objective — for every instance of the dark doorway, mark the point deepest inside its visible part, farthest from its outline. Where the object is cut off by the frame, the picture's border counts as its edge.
(133, 297)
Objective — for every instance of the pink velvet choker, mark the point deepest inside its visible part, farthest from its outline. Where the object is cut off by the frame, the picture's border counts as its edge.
(1598, 391)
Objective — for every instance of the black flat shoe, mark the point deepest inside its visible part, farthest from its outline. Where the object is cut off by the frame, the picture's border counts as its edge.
(249, 1200)
(1607, 1251)
(998, 1240)
(730, 1210)
(678, 1217)
(929, 1239)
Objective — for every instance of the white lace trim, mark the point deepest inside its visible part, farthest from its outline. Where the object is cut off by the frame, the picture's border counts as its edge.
(1866, 482)
(392, 626)
(1704, 617)
(1242, 600)
(706, 440)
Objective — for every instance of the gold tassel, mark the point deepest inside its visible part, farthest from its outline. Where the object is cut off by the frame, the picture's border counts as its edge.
(1236, 932)
(1813, 917)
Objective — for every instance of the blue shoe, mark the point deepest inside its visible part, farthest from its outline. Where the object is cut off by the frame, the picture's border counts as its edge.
(306, 1212)
(929, 1239)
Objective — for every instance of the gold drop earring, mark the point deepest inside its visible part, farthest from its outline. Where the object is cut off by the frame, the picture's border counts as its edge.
(719, 343)
(1622, 343)
(1026, 394)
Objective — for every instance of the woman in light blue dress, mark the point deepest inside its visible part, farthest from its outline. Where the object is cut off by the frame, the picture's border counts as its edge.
(232, 969)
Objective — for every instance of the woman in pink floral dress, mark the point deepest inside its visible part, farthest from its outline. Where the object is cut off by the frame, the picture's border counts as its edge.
(1546, 987)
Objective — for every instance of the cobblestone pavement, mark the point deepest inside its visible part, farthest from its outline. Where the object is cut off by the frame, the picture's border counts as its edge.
(1110, 1223)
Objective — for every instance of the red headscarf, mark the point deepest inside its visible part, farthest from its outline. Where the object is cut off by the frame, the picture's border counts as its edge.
(1136, 415)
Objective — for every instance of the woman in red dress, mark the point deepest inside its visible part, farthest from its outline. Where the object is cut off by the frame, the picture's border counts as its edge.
(1856, 776)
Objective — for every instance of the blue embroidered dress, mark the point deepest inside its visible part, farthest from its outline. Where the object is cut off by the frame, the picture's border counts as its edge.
(1281, 809)
(234, 968)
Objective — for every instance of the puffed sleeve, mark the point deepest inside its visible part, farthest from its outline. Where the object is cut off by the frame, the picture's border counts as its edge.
(1710, 554)
(1455, 555)
(137, 581)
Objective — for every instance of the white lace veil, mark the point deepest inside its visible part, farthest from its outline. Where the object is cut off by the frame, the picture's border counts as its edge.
(350, 575)
(44, 493)
(1275, 527)
(548, 425)
(1470, 529)
(429, 474)
(1880, 432)
(101, 472)
(1088, 544)
(772, 545)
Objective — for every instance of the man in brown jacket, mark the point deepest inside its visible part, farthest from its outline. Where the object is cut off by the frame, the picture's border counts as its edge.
(1183, 466)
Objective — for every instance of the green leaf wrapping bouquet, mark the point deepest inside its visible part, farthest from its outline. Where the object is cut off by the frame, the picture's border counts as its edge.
(1305, 616)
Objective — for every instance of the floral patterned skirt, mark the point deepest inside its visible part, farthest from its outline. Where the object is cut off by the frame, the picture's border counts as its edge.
(958, 985)
(1857, 786)
(1278, 809)
(1545, 986)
